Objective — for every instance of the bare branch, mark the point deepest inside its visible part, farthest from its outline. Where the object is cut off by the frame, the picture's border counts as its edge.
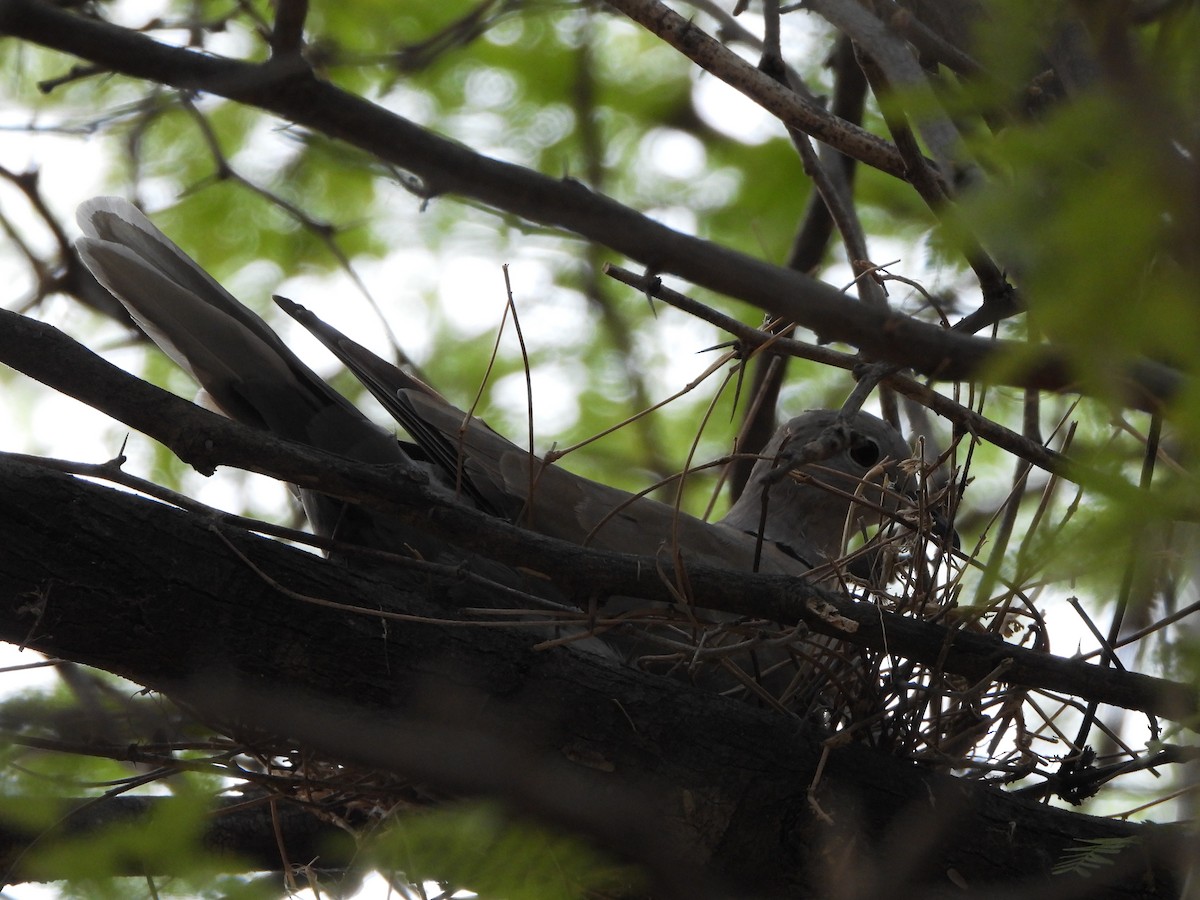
(291, 91)
(590, 745)
(206, 440)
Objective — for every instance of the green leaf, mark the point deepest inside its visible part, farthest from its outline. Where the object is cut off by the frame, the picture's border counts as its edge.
(478, 847)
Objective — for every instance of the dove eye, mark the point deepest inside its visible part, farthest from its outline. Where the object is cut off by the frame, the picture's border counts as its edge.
(865, 452)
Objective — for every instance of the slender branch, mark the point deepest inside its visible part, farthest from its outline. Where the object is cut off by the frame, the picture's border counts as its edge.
(291, 91)
(930, 44)
(754, 339)
(779, 100)
(893, 56)
(207, 440)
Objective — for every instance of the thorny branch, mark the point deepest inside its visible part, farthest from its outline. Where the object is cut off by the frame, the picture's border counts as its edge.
(206, 440)
(290, 90)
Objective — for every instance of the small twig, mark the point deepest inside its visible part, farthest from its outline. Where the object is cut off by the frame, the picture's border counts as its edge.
(994, 433)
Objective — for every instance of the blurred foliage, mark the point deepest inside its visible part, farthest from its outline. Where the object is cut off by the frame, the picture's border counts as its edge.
(495, 855)
(50, 767)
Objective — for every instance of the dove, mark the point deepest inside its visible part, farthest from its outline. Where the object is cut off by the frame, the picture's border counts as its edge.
(804, 524)
(785, 521)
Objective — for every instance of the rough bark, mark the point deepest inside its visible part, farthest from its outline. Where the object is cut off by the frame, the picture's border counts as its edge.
(206, 441)
(693, 785)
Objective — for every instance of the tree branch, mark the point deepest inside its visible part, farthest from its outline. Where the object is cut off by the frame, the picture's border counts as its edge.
(286, 88)
(773, 96)
(206, 440)
(659, 771)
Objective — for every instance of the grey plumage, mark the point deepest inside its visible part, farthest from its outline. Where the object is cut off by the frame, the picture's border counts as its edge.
(804, 522)
(252, 376)
(243, 368)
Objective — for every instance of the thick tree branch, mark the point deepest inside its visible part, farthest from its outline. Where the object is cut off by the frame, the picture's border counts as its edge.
(658, 770)
(205, 441)
(287, 89)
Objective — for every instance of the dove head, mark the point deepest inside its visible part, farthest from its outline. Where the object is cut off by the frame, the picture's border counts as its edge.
(808, 504)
